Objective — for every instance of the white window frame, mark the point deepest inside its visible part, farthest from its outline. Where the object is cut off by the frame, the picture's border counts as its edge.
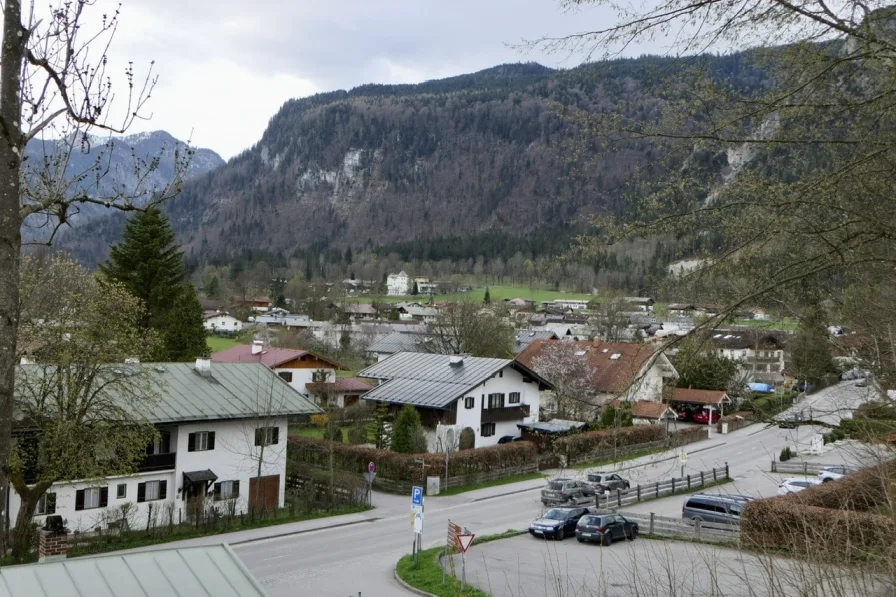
(200, 444)
(226, 491)
(41, 508)
(91, 498)
(152, 491)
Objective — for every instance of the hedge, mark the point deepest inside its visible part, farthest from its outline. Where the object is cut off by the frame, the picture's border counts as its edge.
(406, 467)
(861, 491)
(736, 420)
(580, 445)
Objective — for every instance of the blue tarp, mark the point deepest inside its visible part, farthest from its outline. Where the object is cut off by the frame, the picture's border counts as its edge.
(761, 387)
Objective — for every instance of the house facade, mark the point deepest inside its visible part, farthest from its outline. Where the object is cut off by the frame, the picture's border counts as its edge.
(455, 392)
(216, 422)
(398, 284)
(758, 353)
(222, 322)
(341, 393)
(298, 368)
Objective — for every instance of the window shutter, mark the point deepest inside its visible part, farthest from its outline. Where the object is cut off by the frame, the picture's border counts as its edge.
(79, 499)
(211, 440)
(51, 503)
(275, 435)
(141, 492)
(259, 435)
(191, 442)
(104, 496)
(217, 491)
(163, 489)
(236, 489)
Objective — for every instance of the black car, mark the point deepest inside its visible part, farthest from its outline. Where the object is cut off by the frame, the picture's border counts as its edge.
(509, 439)
(557, 523)
(605, 528)
(792, 420)
(602, 482)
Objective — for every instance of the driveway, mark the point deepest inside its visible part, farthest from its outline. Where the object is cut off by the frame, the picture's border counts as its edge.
(525, 567)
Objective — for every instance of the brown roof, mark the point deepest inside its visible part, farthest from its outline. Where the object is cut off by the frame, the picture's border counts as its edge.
(698, 396)
(613, 375)
(341, 385)
(272, 357)
(644, 409)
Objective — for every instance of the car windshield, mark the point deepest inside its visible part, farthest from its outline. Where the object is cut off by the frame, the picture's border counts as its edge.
(555, 515)
(556, 486)
(594, 478)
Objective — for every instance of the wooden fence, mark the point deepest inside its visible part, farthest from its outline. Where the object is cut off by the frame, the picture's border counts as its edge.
(651, 491)
(663, 526)
(801, 467)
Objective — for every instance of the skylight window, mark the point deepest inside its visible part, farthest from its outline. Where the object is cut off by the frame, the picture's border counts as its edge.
(615, 356)
(580, 353)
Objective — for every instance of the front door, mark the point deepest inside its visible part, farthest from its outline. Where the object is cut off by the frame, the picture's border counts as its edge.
(264, 492)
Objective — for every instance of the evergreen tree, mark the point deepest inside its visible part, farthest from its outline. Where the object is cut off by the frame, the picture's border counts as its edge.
(406, 432)
(213, 287)
(151, 267)
(487, 299)
(414, 289)
(183, 334)
(810, 349)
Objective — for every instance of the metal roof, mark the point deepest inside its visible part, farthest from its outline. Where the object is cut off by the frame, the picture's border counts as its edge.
(232, 391)
(428, 379)
(185, 572)
(399, 342)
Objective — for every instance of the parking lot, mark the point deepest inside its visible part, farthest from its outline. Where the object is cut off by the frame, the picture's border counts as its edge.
(526, 567)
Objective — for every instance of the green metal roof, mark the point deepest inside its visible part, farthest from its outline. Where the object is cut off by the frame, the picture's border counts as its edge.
(232, 391)
(186, 572)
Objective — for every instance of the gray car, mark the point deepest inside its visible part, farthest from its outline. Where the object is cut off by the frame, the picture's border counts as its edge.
(566, 491)
(721, 508)
(602, 482)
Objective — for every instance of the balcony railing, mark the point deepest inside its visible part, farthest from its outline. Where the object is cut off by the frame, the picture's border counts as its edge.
(508, 413)
(157, 462)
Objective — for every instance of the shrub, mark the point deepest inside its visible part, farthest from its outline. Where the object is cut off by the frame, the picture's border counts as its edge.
(357, 433)
(320, 421)
(467, 439)
(582, 444)
(406, 431)
(785, 454)
(333, 433)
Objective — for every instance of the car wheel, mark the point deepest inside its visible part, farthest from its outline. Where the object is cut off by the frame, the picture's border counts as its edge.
(561, 535)
(606, 539)
(632, 534)
(828, 480)
(580, 540)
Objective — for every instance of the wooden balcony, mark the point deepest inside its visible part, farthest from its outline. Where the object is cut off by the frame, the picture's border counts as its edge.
(157, 462)
(508, 413)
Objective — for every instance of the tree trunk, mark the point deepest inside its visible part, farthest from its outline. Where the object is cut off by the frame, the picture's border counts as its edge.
(14, 39)
(23, 533)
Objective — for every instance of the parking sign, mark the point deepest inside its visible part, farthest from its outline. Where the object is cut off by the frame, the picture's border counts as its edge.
(416, 496)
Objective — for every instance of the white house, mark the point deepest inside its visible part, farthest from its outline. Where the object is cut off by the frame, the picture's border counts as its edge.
(454, 392)
(215, 422)
(758, 353)
(571, 304)
(398, 284)
(298, 368)
(221, 321)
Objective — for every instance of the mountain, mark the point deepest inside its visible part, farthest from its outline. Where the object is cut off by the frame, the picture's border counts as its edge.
(497, 153)
(116, 157)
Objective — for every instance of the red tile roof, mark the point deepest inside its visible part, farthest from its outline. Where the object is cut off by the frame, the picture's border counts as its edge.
(698, 396)
(272, 357)
(613, 375)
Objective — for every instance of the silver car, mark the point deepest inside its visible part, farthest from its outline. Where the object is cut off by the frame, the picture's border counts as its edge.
(721, 508)
(566, 491)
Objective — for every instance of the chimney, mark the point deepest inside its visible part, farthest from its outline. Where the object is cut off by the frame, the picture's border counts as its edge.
(204, 366)
(52, 543)
(257, 346)
(456, 360)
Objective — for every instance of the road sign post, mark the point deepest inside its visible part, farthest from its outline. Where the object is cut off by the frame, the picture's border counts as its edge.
(464, 541)
(683, 458)
(417, 518)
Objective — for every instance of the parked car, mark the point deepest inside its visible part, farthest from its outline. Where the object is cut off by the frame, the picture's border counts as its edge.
(719, 508)
(702, 416)
(605, 528)
(792, 420)
(685, 414)
(834, 473)
(509, 439)
(602, 482)
(862, 383)
(566, 491)
(557, 523)
(795, 485)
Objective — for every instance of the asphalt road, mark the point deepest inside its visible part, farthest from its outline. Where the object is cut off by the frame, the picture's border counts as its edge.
(528, 567)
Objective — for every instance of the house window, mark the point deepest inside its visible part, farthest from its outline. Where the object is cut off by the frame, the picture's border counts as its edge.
(46, 504)
(319, 376)
(267, 436)
(152, 490)
(469, 402)
(496, 400)
(501, 373)
(286, 376)
(514, 398)
(92, 497)
(201, 441)
(121, 491)
(162, 445)
(488, 429)
(226, 490)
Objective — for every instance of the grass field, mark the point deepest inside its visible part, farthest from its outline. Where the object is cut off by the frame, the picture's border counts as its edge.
(216, 343)
(476, 295)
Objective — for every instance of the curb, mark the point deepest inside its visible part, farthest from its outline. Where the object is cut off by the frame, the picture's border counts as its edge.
(490, 497)
(302, 532)
(408, 587)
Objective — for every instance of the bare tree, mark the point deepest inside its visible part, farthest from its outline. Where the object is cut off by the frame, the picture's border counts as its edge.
(468, 328)
(567, 367)
(54, 85)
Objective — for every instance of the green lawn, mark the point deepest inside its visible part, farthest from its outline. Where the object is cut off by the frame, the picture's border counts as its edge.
(216, 343)
(316, 432)
(497, 293)
(495, 483)
(786, 325)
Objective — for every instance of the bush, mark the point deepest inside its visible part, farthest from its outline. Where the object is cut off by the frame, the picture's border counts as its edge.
(467, 439)
(357, 433)
(786, 454)
(320, 421)
(577, 446)
(407, 431)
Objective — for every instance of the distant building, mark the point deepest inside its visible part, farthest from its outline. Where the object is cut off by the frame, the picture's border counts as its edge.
(398, 284)
(759, 353)
(565, 304)
(221, 321)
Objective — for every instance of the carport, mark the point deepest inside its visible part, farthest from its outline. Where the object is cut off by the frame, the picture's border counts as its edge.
(691, 400)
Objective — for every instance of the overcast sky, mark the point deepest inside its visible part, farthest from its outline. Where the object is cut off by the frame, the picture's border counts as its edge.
(226, 66)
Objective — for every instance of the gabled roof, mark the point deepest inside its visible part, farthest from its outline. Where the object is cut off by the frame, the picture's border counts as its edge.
(699, 396)
(180, 572)
(342, 385)
(399, 342)
(616, 364)
(272, 357)
(526, 337)
(644, 409)
(219, 314)
(744, 338)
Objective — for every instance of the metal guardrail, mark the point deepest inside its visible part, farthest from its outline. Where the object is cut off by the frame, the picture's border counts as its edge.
(804, 468)
(664, 526)
(642, 493)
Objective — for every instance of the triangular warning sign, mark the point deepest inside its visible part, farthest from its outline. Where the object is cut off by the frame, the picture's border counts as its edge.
(464, 542)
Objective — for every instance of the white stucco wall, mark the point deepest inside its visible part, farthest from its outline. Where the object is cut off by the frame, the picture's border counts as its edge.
(223, 323)
(233, 459)
(300, 377)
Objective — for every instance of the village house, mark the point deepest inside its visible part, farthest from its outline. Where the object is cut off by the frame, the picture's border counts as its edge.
(639, 303)
(621, 370)
(565, 305)
(398, 284)
(759, 353)
(261, 304)
(296, 367)
(418, 313)
(526, 337)
(221, 321)
(213, 421)
(455, 392)
(341, 393)
(397, 342)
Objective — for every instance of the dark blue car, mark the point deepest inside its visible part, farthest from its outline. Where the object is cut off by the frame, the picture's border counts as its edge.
(557, 523)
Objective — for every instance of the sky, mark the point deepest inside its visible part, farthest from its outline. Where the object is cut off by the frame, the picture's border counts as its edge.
(226, 66)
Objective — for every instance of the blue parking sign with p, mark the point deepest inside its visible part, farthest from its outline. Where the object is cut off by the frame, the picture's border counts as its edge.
(416, 496)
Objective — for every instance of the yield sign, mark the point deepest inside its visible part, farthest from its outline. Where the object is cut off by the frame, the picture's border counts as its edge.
(464, 542)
